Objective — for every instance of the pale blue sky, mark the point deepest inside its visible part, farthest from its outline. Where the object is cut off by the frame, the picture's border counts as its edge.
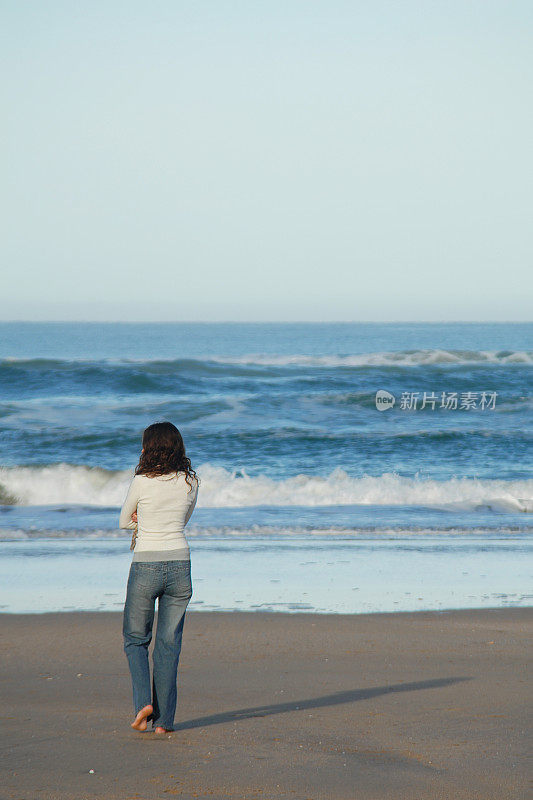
(267, 160)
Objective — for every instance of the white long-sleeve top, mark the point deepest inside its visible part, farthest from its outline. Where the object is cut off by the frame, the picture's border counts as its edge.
(164, 505)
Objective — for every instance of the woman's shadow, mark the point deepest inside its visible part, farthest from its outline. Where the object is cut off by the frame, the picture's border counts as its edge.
(349, 696)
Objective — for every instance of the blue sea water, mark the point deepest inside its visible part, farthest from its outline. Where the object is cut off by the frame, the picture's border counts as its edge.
(311, 498)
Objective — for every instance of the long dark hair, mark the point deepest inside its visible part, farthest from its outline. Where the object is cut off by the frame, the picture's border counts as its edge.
(164, 452)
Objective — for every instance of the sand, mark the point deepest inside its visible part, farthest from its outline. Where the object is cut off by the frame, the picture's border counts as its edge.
(359, 707)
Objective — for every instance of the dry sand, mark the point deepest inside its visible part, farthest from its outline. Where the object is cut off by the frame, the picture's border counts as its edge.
(359, 707)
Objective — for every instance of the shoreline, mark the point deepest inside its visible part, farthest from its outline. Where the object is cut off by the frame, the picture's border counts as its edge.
(270, 612)
(425, 704)
(311, 576)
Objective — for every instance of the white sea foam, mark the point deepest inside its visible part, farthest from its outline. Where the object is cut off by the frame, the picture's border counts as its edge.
(267, 532)
(67, 484)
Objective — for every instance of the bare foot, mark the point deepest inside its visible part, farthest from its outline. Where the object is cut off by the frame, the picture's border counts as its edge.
(140, 723)
(161, 730)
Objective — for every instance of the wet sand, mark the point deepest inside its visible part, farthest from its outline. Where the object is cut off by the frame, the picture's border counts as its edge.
(324, 707)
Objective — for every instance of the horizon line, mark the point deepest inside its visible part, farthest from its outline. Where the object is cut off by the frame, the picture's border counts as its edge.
(262, 322)
(267, 322)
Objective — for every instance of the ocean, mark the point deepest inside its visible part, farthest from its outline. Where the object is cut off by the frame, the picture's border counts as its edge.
(315, 494)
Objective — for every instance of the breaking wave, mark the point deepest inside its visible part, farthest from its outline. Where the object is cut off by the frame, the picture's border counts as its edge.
(220, 488)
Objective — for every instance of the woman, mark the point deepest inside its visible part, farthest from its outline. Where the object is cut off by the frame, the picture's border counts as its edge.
(159, 503)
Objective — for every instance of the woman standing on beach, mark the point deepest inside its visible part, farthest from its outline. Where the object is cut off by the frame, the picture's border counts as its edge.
(159, 503)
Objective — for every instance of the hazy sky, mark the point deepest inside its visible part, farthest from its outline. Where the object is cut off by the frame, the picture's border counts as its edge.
(265, 160)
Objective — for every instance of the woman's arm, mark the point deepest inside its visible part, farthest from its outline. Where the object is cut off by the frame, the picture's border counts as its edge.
(194, 493)
(130, 506)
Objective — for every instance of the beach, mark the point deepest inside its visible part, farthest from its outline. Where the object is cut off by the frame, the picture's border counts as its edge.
(423, 705)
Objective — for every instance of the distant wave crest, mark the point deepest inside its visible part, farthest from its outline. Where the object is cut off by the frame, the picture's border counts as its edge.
(403, 358)
(399, 358)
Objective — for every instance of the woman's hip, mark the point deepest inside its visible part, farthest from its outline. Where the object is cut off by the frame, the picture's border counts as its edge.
(160, 576)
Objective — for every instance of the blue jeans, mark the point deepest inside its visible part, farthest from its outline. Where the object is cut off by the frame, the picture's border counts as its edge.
(170, 581)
